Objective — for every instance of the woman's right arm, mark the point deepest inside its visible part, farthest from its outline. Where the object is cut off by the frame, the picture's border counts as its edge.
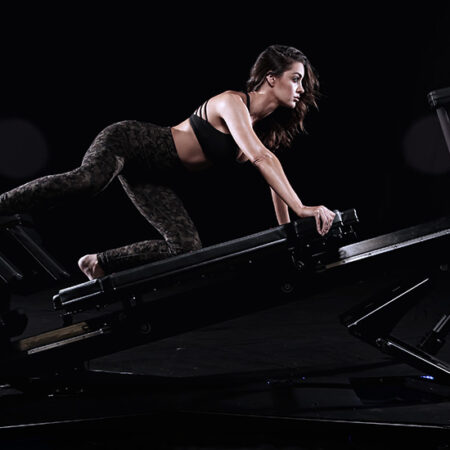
(271, 169)
(237, 118)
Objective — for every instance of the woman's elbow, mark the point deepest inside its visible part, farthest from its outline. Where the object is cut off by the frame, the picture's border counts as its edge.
(263, 157)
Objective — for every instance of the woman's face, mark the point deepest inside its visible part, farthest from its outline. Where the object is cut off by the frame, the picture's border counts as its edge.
(288, 86)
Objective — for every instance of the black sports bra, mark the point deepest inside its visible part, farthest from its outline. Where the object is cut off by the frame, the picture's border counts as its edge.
(217, 146)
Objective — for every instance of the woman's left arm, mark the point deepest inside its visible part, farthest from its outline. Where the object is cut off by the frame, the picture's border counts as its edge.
(281, 209)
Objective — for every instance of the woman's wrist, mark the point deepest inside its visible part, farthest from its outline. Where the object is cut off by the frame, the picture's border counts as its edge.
(301, 211)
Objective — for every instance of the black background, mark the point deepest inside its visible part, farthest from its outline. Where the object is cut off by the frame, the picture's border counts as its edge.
(72, 71)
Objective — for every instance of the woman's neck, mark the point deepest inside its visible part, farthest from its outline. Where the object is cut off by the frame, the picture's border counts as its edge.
(262, 103)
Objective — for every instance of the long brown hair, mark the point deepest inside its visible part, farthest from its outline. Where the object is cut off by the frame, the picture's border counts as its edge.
(279, 128)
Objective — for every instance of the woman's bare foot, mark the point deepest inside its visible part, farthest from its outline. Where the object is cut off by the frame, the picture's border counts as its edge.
(89, 265)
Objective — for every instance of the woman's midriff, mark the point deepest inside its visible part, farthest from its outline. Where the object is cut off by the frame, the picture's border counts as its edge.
(188, 147)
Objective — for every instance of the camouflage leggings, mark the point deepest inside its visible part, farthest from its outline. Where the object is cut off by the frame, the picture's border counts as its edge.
(144, 158)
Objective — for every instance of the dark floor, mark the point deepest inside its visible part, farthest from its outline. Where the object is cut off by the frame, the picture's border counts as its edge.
(288, 377)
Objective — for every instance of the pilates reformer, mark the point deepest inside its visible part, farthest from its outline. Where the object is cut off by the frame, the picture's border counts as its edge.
(133, 306)
(153, 301)
(157, 300)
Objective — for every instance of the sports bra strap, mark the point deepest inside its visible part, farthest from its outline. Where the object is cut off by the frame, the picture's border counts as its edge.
(204, 109)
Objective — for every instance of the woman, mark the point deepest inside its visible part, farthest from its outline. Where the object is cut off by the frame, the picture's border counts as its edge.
(232, 127)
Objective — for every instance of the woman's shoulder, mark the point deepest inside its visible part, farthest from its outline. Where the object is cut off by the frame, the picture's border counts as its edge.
(229, 97)
(230, 93)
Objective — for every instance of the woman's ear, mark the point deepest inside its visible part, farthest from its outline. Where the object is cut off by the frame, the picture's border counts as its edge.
(270, 78)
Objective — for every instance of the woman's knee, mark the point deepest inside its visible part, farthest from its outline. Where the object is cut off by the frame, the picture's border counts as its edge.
(185, 245)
